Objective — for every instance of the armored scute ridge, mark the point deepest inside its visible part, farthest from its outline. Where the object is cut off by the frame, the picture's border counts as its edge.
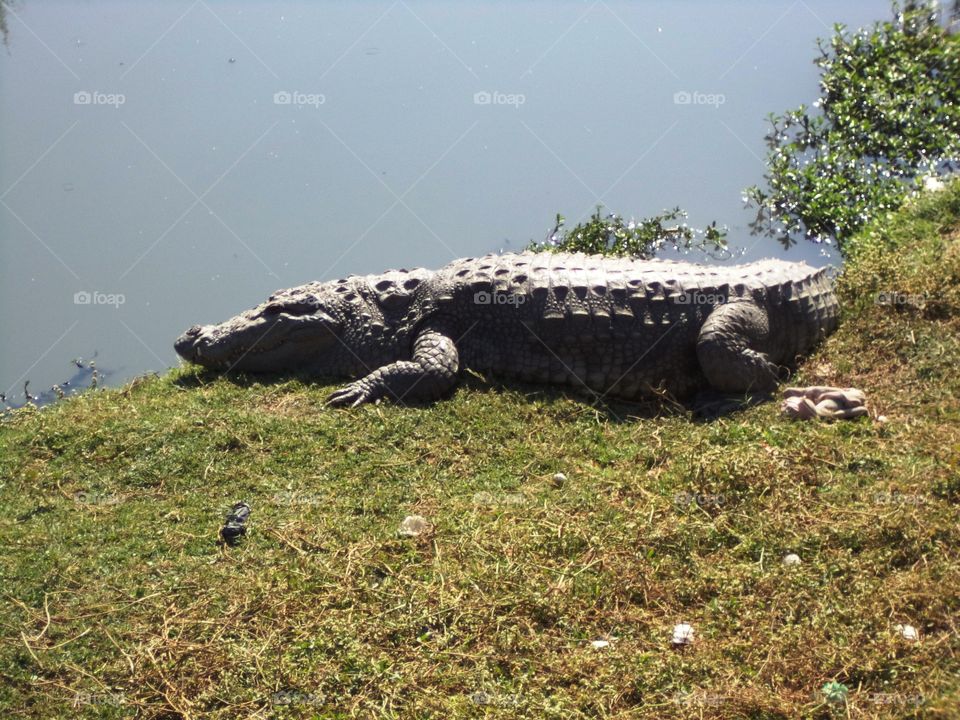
(615, 326)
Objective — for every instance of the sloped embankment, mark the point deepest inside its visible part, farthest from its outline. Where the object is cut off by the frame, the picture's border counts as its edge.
(119, 602)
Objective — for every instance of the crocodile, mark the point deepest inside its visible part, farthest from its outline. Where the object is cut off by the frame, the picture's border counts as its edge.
(616, 327)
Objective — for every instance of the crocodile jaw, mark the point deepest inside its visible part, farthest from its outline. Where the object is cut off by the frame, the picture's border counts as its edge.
(259, 340)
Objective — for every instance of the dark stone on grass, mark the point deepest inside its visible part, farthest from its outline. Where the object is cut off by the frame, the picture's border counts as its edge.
(235, 525)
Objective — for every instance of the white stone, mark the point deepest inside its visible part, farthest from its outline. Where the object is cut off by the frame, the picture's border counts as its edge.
(598, 644)
(908, 632)
(559, 479)
(413, 525)
(791, 559)
(682, 634)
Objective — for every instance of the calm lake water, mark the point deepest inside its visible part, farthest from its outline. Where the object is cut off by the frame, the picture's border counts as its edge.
(170, 163)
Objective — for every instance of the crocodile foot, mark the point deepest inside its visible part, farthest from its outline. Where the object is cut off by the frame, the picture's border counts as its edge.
(354, 394)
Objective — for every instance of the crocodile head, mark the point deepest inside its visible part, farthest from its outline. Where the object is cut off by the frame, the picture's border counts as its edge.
(303, 329)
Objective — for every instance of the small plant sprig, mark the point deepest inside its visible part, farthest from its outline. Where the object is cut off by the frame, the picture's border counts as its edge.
(611, 234)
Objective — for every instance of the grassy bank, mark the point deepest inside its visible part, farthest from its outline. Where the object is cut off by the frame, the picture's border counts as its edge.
(118, 601)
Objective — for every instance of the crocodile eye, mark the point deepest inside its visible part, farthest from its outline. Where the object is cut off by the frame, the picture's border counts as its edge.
(290, 307)
(300, 307)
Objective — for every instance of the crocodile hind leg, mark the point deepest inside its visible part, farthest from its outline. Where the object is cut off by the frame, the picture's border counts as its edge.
(429, 375)
(732, 349)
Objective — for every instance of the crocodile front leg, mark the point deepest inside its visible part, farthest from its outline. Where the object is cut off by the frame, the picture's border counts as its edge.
(431, 373)
(731, 349)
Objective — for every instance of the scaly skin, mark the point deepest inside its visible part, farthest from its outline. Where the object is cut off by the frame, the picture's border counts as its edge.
(615, 326)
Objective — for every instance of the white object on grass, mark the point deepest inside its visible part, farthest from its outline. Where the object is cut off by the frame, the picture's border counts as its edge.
(413, 525)
(682, 634)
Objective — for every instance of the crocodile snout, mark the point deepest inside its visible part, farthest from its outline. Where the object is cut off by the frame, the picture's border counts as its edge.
(186, 345)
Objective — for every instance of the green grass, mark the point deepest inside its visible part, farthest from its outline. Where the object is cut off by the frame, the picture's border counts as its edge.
(119, 602)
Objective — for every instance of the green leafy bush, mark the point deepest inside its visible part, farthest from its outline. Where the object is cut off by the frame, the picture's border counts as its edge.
(889, 116)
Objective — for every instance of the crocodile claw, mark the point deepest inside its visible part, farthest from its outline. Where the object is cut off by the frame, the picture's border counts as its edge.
(356, 393)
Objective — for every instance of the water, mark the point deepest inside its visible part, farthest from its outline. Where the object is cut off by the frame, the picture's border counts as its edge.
(171, 163)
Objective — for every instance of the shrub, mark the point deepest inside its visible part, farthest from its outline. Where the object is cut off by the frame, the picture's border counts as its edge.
(888, 117)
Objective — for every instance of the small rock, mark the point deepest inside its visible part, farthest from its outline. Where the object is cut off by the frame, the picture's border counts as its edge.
(235, 524)
(881, 418)
(682, 635)
(791, 559)
(908, 632)
(559, 479)
(823, 402)
(599, 644)
(413, 526)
